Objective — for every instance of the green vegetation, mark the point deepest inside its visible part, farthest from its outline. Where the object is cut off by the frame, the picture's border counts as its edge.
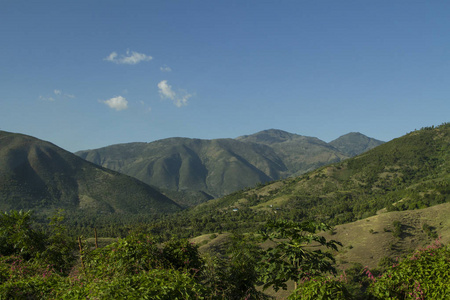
(422, 275)
(290, 259)
(401, 189)
(38, 175)
(41, 265)
(192, 171)
(410, 172)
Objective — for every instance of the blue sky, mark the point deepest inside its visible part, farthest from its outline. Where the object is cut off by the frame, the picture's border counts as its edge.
(87, 74)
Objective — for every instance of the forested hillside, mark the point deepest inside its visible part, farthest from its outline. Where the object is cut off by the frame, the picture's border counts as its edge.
(406, 173)
(38, 175)
(193, 170)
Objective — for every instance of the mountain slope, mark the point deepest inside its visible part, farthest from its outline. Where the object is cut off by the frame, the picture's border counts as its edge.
(406, 173)
(299, 153)
(354, 143)
(215, 167)
(38, 175)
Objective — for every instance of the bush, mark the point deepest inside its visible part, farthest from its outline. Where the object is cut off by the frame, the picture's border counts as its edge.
(321, 288)
(423, 275)
(153, 284)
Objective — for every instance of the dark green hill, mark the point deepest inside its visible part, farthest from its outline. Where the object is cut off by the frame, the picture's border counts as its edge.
(194, 170)
(38, 175)
(354, 143)
(215, 167)
(406, 173)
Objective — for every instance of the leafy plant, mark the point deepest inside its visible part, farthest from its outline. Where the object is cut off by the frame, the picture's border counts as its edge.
(423, 275)
(321, 288)
(293, 257)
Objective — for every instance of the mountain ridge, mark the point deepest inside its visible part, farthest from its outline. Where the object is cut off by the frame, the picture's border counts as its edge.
(216, 167)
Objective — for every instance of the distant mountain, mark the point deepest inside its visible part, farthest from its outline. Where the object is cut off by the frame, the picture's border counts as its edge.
(205, 169)
(215, 167)
(299, 153)
(38, 175)
(354, 143)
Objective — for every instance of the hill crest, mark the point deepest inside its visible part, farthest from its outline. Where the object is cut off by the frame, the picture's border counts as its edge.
(36, 174)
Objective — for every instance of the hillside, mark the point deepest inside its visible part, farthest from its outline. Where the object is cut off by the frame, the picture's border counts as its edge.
(299, 153)
(216, 167)
(410, 172)
(38, 175)
(205, 169)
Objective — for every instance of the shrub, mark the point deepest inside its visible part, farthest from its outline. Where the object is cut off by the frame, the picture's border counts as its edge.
(320, 288)
(423, 275)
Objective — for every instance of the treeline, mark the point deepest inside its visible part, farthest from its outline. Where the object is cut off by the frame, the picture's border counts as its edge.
(39, 265)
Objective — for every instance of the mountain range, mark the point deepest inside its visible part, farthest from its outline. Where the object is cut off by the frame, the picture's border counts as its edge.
(409, 172)
(195, 170)
(38, 175)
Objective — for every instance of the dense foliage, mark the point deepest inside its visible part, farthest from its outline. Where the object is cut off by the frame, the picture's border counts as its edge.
(41, 265)
(38, 265)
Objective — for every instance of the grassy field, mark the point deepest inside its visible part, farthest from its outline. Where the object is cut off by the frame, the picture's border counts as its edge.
(369, 240)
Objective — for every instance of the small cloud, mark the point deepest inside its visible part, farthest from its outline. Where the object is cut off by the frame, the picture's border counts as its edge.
(183, 100)
(111, 57)
(166, 92)
(57, 95)
(165, 69)
(51, 99)
(130, 58)
(118, 103)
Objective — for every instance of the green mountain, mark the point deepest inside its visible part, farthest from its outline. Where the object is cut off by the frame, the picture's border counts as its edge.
(38, 175)
(299, 153)
(354, 143)
(409, 172)
(215, 167)
(194, 170)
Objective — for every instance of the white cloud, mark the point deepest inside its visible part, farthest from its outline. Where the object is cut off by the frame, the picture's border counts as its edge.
(46, 98)
(118, 103)
(57, 95)
(130, 58)
(183, 100)
(165, 69)
(166, 92)
(112, 57)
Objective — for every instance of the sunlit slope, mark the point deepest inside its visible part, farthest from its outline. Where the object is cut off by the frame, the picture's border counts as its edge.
(406, 173)
(38, 175)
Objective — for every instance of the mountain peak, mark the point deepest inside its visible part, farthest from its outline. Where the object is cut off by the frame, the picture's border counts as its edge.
(354, 143)
(268, 136)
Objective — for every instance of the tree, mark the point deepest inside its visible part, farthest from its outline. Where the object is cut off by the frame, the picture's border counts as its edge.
(18, 237)
(297, 253)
